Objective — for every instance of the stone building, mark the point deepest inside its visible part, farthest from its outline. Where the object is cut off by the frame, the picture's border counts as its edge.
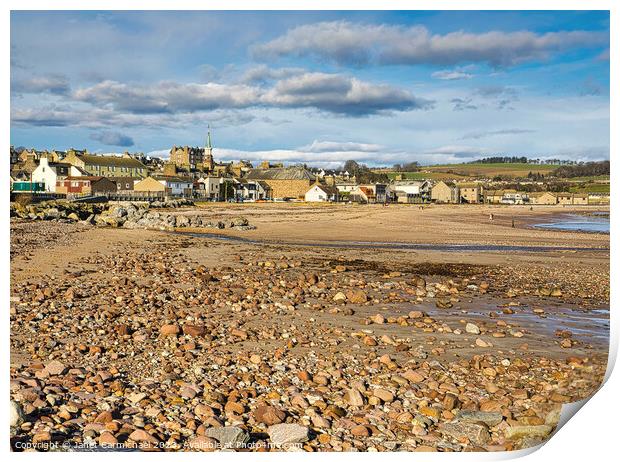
(190, 158)
(100, 165)
(443, 193)
(471, 193)
(285, 182)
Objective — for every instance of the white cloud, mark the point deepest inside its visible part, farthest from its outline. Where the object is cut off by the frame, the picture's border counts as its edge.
(345, 42)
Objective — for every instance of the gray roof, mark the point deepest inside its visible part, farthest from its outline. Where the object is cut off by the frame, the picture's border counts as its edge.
(286, 173)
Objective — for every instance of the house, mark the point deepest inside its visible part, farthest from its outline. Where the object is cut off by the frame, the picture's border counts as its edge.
(284, 182)
(411, 191)
(107, 165)
(363, 194)
(565, 198)
(170, 185)
(250, 190)
(85, 185)
(49, 173)
(322, 193)
(493, 196)
(470, 193)
(123, 183)
(511, 196)
(209, 187)
(444, 193)
(580, 199)
(544, 198)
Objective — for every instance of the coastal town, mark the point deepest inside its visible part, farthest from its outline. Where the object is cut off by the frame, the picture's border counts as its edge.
(192, 172)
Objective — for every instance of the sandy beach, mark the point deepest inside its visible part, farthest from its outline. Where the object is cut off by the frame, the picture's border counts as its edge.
(191, 339)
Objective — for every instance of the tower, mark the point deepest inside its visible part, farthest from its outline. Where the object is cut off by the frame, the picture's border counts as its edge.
(208, 157)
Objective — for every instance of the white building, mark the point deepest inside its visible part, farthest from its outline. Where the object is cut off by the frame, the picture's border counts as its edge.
(176, 185)
(49, 172)
(251, 190)
(322, 193)
(212, 187)
(412, 191)
(346, 186)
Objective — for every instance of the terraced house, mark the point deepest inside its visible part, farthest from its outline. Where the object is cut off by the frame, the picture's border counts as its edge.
(107, 165)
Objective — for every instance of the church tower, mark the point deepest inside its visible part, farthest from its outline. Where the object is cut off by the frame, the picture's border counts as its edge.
(208, 162)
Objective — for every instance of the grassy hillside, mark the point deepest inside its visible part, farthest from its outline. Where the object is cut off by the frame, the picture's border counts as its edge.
(491, 170)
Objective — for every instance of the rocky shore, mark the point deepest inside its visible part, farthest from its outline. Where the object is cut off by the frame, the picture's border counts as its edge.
(123, 214)
(174, 343)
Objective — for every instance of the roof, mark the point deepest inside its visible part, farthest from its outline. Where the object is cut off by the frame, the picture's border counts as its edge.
(179, 179)
(284, 173)
(83, 178)
(367, 191)
(332, 190)
(111, 161)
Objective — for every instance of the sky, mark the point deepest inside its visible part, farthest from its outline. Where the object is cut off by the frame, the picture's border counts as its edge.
(316, 87)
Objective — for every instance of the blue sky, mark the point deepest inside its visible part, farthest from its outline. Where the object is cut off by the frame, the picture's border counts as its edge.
(315, 87)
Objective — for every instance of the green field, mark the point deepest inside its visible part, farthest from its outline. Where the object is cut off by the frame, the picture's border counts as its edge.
(591, 188)
(491, 170)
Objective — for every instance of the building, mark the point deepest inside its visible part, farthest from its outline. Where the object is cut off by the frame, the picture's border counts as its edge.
(544, 198)
(49, 173)
(411, 191)
(214, 188)
(511, 196)
(580, 199)
(363, 194)
(85, 185)
(106, 165)
(444, 193)
(123, 183)
(284, 182)
(250, 190)
(470, 193)
(191, 158)
(322, 193)
(565, 198)
(169, 185)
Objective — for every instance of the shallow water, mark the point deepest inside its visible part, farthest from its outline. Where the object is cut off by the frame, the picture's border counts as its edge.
(403, 245)
(584, 223)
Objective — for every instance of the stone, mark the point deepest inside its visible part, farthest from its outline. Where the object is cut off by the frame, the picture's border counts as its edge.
(192, 330)
(353, 397)
(203, 444)
(16, 414)
(489, 418)
(142, 436)
(169, 329)
(413, 376)
(269, 415)
(340, 297)
(55, 368)
(229, 437)
(360, 431)
(472, 328)
(357, 296)
(384, 395)
(282, 434)
(528, 431)
(107, 439)
(476, 433)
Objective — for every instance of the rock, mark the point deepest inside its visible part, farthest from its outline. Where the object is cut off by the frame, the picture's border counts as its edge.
(413, 376)
(340, 298)
(269, 415)
(353, 397)
(107, 439)
(360, 431)
(169, 329)
(481, 343)
(55, 368)
(384, 395)
(477, 433)
(16, 414)
(489, 418)
(528, 431)
(142, 436)
(282, 434)
(472, 328)
(192, 330)
(203, 443)
(357, 296)
(378, 318)
(229, 437)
